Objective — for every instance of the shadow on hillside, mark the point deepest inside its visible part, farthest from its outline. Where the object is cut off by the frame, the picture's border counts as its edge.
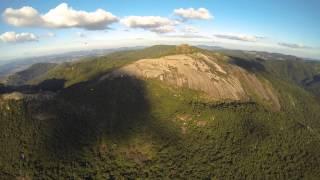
(53, 85)
(80, 116)
(86, 112)
(249, 65)
(310, 81)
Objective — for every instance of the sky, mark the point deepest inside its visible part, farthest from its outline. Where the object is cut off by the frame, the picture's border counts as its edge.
(41, 27)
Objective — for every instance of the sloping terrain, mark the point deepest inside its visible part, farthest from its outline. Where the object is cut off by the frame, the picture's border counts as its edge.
(85, 70)
(212, 75)
(112, 120)
(296, 70)
(23, 77)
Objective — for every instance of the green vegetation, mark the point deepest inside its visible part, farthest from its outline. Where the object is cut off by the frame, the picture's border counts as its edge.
(126, 128)
(23, 77)
(291, 69)
(91, 68)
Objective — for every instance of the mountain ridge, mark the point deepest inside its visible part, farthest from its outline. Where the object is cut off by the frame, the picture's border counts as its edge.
(197, 71)
(79, 124)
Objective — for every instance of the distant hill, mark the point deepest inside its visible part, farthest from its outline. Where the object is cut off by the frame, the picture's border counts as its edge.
(164, 112)
(210, 47)
(286, 67)
(23, 77)
(12, 66)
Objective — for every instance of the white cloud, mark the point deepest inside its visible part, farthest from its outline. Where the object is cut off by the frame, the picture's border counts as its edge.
(61, 16)
(191, 13)
(152, 23)
(12, 37)
(247, 38)
(25, 16)
(294, 46)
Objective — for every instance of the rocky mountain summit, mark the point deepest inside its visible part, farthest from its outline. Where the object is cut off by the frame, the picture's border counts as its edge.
(211, 74)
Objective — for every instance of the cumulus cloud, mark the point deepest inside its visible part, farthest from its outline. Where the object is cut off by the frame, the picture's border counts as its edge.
(152, 23)
(12, 37)
(294, 46)
(61, 16)
(247, 38)
(25, 16)
(191, 13)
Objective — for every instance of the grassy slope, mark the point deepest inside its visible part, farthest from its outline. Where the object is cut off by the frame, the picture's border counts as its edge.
(131, 128)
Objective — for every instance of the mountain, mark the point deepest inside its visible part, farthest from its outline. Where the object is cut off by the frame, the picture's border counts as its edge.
(22, 77)
(302, 72)
(210, 47)
(10, 67)
(219, 80)
(164, 112)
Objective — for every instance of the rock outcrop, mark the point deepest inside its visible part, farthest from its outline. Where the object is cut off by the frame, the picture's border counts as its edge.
(212, 75)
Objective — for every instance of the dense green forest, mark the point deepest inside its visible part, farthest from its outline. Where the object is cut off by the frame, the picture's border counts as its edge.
(128, 128)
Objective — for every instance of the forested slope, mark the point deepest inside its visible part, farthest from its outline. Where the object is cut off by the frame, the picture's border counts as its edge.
(129, 127)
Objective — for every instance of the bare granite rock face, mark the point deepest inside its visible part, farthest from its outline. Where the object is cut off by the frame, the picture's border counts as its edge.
(212, 75)
(41, 96)
(12, 96)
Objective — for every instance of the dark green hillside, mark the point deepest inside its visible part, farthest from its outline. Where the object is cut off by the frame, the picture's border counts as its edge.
(128, 128)
(313, 85)
(303, 73)
(297, 71)
(132, 134)
(23, 77)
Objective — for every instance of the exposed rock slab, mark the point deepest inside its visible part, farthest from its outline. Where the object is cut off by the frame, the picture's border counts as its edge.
(217, 78)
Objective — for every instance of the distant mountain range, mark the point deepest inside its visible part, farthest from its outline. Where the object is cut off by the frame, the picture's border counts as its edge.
(15, 65)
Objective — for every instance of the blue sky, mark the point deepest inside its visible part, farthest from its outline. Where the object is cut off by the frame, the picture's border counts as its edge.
(286, 26)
